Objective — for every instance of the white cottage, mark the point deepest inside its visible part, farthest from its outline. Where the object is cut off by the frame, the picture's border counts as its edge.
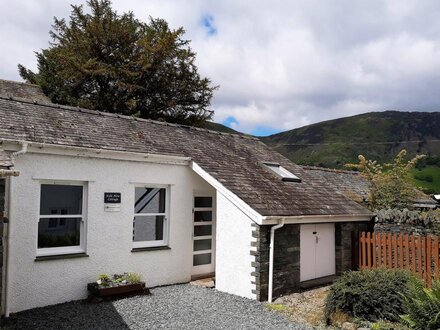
(103, 193)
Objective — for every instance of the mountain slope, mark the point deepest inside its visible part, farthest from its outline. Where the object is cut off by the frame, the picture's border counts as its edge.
(220, 128)
(377, 135)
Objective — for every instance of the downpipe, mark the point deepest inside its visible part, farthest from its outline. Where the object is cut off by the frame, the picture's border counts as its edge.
(5, 302)
(271, 258)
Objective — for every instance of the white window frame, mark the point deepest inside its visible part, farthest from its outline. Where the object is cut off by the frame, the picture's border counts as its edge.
(285, 174)
(65, 249)
(166, 226)
(206, 268)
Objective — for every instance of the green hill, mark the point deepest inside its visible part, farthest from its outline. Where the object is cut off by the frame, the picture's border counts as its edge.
(220, 128)
(376, 135)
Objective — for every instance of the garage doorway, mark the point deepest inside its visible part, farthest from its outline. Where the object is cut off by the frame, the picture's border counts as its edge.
(317, 251)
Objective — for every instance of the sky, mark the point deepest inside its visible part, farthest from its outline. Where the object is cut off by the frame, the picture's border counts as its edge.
(279, 64)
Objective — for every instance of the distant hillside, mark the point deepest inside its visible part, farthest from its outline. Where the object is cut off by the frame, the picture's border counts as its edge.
(377, 135)
(220, 128)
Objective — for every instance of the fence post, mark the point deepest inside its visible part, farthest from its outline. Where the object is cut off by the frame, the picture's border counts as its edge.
(368, 250)
(428, 260)
(374, 249)
(401, 251)
(436, 257)
(363, 261)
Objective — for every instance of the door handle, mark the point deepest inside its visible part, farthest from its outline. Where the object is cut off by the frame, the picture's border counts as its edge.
(317, 239)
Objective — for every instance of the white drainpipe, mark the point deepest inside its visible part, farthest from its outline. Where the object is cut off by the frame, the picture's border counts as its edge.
(271, 248)
(22, 151)
(6, 262)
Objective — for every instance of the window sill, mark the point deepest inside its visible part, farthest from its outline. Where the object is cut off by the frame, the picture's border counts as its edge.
(151, 248)
(61, 256)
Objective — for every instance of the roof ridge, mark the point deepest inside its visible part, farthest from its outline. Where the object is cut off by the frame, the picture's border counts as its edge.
(20, 82)
(115, 115)
(325, 169)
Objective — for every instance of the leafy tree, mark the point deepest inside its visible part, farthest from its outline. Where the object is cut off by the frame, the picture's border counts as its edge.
(390, 187)
(105, 61)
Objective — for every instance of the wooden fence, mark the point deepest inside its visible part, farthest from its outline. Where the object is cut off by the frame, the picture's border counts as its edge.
(417, 254)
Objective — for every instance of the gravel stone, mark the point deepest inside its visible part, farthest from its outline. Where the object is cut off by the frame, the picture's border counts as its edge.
(171, 307)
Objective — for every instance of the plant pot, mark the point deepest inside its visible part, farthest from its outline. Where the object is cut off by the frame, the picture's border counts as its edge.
(100, 293)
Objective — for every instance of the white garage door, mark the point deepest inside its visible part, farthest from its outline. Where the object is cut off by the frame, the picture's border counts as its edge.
(317, 244)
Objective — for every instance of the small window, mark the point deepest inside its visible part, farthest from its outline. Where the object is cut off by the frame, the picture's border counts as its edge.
(61, 221)
(282, 172)
(150, 220)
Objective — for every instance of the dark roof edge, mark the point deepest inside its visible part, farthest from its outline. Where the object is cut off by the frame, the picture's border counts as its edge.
(325, 169)
(108, 114)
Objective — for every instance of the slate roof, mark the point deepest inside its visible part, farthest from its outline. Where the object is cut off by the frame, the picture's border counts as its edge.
(234, 160)
(352, 184)
(22, 90)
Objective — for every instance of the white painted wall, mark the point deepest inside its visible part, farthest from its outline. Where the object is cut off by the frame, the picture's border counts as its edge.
(109, 234)
(233, 245)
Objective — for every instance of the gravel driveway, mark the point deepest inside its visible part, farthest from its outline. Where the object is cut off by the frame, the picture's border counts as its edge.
(172, 307)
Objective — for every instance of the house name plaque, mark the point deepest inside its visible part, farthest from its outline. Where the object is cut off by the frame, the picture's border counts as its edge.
(112, 201)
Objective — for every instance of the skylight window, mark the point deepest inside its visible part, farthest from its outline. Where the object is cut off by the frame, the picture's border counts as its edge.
(282, 172)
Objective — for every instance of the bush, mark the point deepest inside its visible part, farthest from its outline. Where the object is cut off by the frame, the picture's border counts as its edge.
(422, 305)
(370, 295)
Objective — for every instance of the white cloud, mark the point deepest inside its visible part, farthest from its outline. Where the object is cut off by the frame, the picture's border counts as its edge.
(280, 64)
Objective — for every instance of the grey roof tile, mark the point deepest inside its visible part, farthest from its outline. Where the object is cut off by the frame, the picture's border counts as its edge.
(22, 90)
(352, 184)
(234, 160)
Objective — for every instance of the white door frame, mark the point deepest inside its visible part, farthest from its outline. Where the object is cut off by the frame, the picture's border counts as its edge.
(207, 268)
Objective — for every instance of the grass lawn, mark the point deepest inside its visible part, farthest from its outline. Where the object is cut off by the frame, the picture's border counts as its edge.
(422, 178)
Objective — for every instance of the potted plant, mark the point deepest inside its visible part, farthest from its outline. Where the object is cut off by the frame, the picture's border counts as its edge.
(107, 287)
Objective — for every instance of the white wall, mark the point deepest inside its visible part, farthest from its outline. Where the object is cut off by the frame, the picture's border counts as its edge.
(109, 234)
(233, 245)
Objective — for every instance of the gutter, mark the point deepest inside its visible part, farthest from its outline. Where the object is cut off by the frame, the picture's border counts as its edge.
(271, 220)
(6, 173)
(67, 150)
(271, 258)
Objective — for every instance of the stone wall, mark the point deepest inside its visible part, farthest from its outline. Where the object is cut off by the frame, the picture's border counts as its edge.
(2, 195)
(2, 209)
(287, 256)
(344, 234)
(405, 228)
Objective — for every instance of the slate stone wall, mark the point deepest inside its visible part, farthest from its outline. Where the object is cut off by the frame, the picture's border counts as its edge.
(2, 209)
(405, 228)
(287, 256)
(344, 235)
(2, 195)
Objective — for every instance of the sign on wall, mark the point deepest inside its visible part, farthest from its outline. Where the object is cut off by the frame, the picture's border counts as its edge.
(112, 201)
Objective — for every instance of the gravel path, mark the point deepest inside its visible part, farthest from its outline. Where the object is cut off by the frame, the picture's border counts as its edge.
(172, 307)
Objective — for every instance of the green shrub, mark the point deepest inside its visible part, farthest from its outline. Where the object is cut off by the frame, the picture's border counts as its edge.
(422, 305)
(133, 278)
(386, 325)
(370, 295)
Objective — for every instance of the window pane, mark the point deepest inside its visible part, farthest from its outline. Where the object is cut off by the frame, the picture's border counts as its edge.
(202, 230)
(203, 244)
(203, 202)
(148, 228)
(202, 259)
(149, 200)
(59, 232)
(202, 216)
(61, 199)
